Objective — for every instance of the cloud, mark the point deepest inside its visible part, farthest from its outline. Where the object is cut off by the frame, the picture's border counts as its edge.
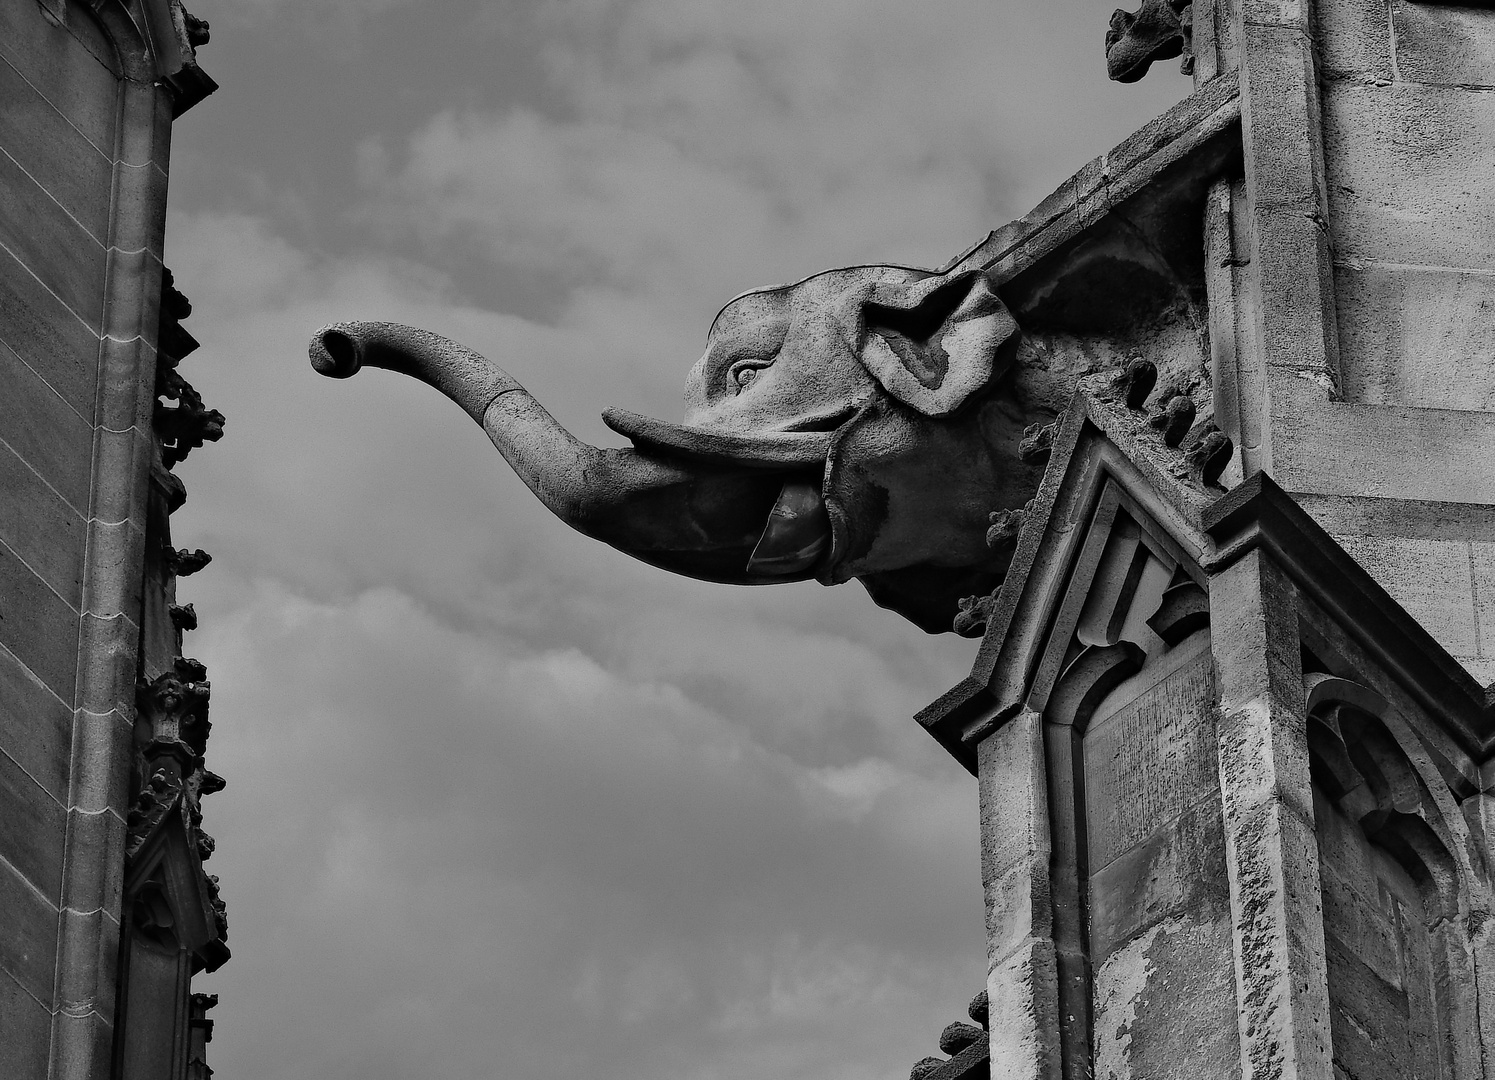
(503, 802)
(499, 794)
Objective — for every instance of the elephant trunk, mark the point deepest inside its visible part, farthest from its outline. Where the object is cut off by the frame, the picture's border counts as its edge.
(691, 517)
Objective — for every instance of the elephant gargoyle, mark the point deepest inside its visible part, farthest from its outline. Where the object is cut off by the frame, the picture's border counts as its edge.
(857, 424)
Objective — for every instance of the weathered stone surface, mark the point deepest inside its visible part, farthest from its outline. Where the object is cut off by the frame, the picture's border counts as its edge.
(1432, 579)
(1023, 996)
(32, 829)
(47, 640)
(1165, 1005)
(1149, 762)
(51, 339)
(1011, 793)
(1407, 185)
(36, 229)
(55, 154)
(40, 528)
(1272, 856)
(28, 1024)
(1445, 44)
(1416, 337)
(45, 431)
(1178, 873)
(72, 67)
(1354, 40)
(35, 726)
(28, 938)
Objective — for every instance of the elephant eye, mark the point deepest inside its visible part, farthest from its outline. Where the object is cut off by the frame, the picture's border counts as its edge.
(744, 373)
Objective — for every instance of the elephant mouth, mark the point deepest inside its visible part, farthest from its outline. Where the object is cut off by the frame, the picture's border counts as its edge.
(796, 538)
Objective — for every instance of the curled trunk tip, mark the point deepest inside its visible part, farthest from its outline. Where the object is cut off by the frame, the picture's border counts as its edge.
(335, 352)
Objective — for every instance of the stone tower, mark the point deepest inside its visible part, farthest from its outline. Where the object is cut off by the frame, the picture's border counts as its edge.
(105, 910)
(1230, 717)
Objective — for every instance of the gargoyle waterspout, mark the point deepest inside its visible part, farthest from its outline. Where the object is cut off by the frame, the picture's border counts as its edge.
(850, 425)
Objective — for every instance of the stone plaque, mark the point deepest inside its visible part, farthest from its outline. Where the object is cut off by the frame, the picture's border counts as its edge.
(1147, 762)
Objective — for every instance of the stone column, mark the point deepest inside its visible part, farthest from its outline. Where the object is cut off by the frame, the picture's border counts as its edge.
(1022, 980)
(1271, 850)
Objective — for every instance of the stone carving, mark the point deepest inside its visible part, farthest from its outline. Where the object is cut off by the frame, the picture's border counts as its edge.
(186, 427)
(1174, 419)
(1134, 385)
(973, 615)
(1207, 456)
(171, 733)
(968, 1046)
(184, 563)
(860, 423)
(1158, 30)
(1037, 444)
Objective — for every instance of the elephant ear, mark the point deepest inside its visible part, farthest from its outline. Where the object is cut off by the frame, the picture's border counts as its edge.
(932, 343)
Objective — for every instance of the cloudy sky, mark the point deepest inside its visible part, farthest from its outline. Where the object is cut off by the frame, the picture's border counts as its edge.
(502, 802)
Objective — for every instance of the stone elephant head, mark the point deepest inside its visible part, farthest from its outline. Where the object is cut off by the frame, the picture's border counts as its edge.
(855, 424)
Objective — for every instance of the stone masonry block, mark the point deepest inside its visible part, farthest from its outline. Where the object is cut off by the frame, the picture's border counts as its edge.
(69, 167)
(1178, 872)
(84, 1041)
(107, 664)
(1283, 13)
(50, 242)
(116, 549)
(96, 854)
(28, 936)
(45, 431)
(1448, 45)
(1295, 276)
(144, 140)
(1014, 815)
(35, 726)
(73, 66)
(1019, 906)
(1281, 125)
(1432, 579)
(41, 528)
(133, 308)
(1482, 556)
(1354, 40)
(1416, 337)
(1165, 1005)
(46, 641)
(88, 950)
(1022, 1014)
(33, 829)
(26, 1048)
(53, 341)
(101, 756)
(1407, 184)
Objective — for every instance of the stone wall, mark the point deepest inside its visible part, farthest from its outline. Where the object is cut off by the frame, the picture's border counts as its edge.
(89, 94)
(1409, 148)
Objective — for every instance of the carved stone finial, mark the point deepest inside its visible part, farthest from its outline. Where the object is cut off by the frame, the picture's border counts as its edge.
(184, 562)
(957, 1036)
(979, 1008)
(198, 30)
(1136, 381)
(971, 619)
(1038, 442)
(1209, 455)
(1174, 419)
(183, 616)
(172, 709)
(1158, 30)
(923, 1067)
(1004, 527)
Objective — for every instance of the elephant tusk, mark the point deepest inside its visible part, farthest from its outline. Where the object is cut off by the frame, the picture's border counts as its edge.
(796, 536)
